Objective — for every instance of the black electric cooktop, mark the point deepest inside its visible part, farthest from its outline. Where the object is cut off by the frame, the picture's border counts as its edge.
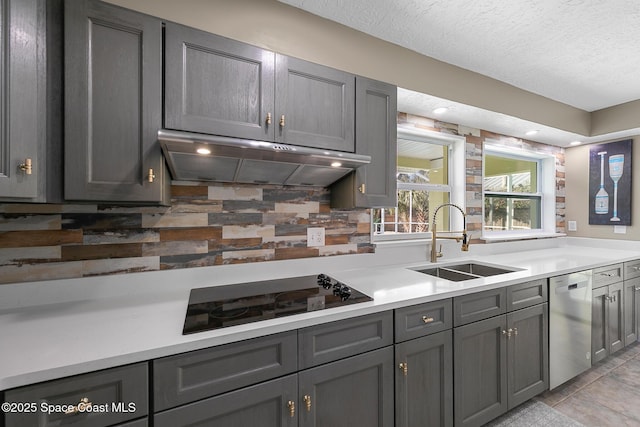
(221, 306)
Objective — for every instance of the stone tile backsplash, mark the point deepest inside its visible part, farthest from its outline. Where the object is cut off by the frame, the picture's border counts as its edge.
(205, 225)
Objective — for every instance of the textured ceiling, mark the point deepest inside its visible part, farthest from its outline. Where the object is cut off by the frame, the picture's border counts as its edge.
(584, 53)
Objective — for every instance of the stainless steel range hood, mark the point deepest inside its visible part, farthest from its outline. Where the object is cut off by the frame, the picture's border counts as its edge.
(199, 157)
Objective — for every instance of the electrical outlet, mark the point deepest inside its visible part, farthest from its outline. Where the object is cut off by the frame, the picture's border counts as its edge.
(315, 236)
(573, 225)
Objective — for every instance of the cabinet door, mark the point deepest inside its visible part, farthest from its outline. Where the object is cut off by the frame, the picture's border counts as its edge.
(113, 104)
(22, 122)
(528, 353)
(480, 371)
(424, 381)
(314, 105)
(599, 330)
(373, 185)
(269, 404)
(630, 313)
(352, 392)
(218, 86)
(616, 317)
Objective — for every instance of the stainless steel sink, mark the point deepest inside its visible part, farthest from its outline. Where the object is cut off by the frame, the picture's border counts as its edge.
(445, 273)
(467, 271)
(480, 269)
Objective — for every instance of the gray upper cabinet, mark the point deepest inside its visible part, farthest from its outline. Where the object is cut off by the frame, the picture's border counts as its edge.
(373, 185)
(113, 104)
(315, 105)
(218, 86)
(224, 87)
(22, 99)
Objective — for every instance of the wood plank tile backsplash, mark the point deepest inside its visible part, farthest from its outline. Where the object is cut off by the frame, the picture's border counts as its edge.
(205, 225)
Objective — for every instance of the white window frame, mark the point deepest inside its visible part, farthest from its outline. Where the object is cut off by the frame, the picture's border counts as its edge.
(456, 186)
(546, 192)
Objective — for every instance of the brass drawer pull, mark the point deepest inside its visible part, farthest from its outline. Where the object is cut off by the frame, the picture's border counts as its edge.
(404, 368)
(292, 408)
(426, 319)
(307, 402)
(150, 175)
(282, 121)
(27, 166)
(268, 118)
(83, 405)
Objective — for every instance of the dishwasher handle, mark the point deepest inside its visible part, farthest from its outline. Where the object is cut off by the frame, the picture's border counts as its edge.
(568, 287)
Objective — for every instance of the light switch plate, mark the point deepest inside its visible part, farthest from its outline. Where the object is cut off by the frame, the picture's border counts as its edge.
(315, 236)
(573, 225)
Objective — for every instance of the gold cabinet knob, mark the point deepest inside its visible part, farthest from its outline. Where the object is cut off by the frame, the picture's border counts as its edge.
(292, 408)
(404, 367)
(361, 188)
(282, 121)
(426, 319)
(307, 402)
(515, 331)
(151, 176)
(27, 166)
(268, 120)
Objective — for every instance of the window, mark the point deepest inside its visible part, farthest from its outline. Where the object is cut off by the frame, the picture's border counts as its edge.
(516, 184)
(426, 178)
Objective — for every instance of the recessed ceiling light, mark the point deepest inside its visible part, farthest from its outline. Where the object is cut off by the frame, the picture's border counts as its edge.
(531, 132)
(575, 143)
(440, 110)
(336, 164)
(203, 151)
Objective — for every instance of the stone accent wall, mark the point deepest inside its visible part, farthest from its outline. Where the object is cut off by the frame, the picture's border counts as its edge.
(205, 225)
(474, 140)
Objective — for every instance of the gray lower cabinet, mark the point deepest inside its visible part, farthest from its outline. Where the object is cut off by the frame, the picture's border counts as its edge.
(424, 381)
(270, 404)
(480, 371)
(373, 185)
(607, 324)
(499, 363)
(97, 399)
(23, 87)
(352, 392)
(527, 353)
(631, 310)
(113, 104)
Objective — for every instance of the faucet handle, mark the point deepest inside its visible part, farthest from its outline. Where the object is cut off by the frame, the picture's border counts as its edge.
(439, 253)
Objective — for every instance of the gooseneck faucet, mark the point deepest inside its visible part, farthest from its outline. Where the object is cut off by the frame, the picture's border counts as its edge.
(465, 243)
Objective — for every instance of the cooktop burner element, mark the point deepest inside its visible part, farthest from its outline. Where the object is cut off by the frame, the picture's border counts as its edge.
(221, 306)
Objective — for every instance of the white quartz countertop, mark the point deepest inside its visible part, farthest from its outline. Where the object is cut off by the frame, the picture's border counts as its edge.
(87, 329)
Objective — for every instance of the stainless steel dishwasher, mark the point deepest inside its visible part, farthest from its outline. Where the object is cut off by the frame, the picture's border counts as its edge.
(569, 326)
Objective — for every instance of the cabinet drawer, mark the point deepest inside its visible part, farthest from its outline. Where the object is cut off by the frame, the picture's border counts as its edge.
(631, 269)
(526, 294)
(191, 376)
(423, 319)
(605, 275)
(118, 386)
(143, 422)
(336, 340)
(478, 306)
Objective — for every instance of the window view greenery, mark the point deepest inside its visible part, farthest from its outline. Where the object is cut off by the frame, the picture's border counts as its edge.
(512, 199)
(423, 184)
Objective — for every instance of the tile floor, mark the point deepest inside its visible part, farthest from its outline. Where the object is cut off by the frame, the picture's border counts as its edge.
(606, 395)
